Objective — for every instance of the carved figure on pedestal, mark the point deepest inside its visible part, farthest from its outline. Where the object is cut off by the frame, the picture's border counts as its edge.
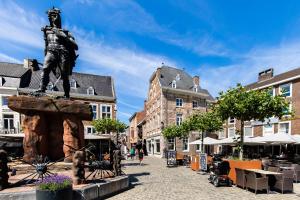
(78, 167)
(60, 55)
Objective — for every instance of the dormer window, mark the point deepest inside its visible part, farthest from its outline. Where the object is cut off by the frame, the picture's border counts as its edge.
(177, 77)
(195, 88)
(73, 84)
(50, 86)
(90, 91)
(173, 84)
(1, 81)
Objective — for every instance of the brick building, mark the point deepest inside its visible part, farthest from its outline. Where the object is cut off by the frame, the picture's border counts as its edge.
(136, 125)
(173, 95)
(287, 84)
(21, 79)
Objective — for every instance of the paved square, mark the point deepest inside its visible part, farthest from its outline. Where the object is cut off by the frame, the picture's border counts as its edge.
(154, 180)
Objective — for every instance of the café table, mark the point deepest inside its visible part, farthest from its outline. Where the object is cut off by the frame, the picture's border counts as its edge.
(270, 174)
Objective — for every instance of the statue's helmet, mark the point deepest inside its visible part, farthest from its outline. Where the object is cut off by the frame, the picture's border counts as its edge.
(55, 12)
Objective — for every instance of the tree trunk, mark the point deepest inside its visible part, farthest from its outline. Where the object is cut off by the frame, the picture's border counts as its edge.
(242, 140)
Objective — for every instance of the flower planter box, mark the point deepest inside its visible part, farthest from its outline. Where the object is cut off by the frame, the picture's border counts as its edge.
(63, 194)
(251, 164)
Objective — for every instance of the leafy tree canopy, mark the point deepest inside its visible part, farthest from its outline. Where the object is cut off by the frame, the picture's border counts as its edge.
(246, 105)
(107, 125)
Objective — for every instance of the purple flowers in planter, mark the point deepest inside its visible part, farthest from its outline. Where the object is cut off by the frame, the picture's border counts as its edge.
(55, 182)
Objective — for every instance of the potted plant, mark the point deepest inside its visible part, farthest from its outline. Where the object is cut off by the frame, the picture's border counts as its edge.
(56, 187)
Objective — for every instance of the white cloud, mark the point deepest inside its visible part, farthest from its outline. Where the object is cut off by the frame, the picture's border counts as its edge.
(131, 68)
(283, 57)
(6, 58)
(20, 26)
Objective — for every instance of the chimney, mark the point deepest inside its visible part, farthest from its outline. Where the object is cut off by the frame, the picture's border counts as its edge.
(265, 75)
(31, 64)
(196, 80)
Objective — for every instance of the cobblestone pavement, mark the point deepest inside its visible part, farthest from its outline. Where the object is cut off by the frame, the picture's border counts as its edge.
(154, 180)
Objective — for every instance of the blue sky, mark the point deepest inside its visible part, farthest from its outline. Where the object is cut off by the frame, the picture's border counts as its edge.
(224, 42)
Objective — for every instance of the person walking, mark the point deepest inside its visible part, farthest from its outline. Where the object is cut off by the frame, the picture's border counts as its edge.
(132, 153)
(141, 155)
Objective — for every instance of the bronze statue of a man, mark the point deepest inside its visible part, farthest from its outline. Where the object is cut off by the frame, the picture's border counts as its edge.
(60, 55)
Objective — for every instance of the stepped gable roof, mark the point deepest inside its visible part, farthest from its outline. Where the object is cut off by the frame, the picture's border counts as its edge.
(274, 79)
(12, 70)
(184, 81)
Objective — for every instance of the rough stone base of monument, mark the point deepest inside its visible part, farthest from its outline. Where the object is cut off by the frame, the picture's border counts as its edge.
(91, 191)
(52, 127)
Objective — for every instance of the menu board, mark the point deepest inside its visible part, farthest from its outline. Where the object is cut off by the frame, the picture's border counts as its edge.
(203, 161)
(171, 158)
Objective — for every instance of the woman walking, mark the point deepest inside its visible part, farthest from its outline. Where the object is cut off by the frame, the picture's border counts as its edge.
(141, 156)
(132, 153)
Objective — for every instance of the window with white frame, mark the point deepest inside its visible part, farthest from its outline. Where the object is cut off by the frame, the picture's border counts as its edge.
(271, 91)
(286, 90)
(178, 119)
(231, 120)
(50, 86)
(221, 134)
(73, 84)
(177, 77)
(185, 144)
(173, 84)
(288, 110)
(106, 111)
(268, 129)
(179, 102)
(248, 131)
(95, 109)
(171, 144)
(4, 101)
(90, 130)
(202, 102)
(231, 132)
(198, 147)
(195, 88)
(284, 127)
(1, 81)
(90, 91)
(195, 104)
(8, 122)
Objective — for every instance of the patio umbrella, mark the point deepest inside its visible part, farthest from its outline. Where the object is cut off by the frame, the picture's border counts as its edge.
(279, 138)
(206, 141)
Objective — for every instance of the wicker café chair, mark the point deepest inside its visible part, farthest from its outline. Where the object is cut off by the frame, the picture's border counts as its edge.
(240, 178)
(256, 183)
(296, 172)
(285, 181)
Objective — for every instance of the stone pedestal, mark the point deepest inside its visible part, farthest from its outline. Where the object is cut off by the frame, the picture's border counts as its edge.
(52, 127)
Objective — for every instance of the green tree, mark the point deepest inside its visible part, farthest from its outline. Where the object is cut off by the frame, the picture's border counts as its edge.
(107, 125)
(205, 122)
(245, 105)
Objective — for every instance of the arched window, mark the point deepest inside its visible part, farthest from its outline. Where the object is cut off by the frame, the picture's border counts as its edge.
(90, 91)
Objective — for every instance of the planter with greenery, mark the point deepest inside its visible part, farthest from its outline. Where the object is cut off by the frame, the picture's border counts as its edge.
(57, 187)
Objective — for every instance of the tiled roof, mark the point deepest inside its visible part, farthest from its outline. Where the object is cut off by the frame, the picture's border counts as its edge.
(185, 81)
(274, 79)
(12, 69)
(102, 85)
